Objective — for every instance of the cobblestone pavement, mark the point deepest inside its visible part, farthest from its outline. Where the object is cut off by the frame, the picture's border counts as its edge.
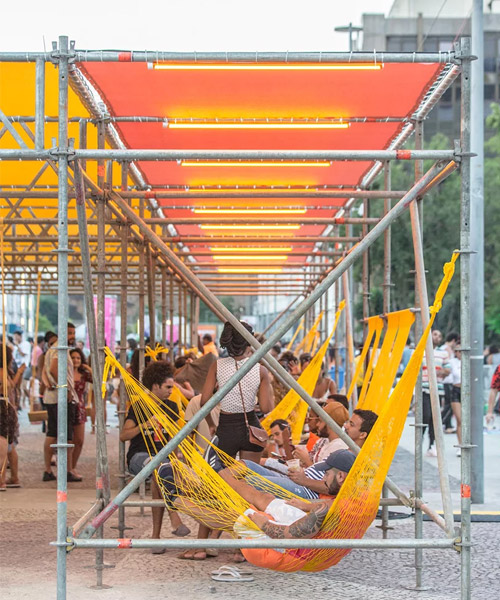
(27, 525)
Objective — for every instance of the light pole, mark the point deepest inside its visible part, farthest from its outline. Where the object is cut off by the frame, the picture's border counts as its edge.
(350, 29)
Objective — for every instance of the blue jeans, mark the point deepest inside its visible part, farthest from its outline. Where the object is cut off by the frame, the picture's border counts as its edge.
(281, 480)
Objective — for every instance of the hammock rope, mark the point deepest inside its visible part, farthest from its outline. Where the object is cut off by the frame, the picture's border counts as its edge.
(355, 506)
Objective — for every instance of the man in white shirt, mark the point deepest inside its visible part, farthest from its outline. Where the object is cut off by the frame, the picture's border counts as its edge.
(441, 363)
(22, 350)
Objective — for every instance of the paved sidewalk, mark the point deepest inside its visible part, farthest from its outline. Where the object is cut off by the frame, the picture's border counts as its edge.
(27, 525)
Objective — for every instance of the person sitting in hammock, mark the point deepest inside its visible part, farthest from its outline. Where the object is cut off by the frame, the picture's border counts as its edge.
(275, 518)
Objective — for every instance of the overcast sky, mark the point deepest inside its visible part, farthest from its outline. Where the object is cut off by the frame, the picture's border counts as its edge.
(184, 25)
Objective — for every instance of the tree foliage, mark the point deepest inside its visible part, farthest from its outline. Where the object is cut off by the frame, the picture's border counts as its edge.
(441, 234)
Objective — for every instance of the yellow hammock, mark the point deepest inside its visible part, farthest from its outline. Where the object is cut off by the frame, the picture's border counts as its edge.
(356, 504)
(292, 408)
(378, 381)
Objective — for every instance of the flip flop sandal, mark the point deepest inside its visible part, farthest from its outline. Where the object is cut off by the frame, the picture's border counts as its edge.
(13, 485)
(232, 577)
(225, 569)
(3, 489)
(212, 552)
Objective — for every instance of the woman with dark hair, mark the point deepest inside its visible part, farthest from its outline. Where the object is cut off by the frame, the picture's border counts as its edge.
(9, 425)
(83, 387)
(238, 405)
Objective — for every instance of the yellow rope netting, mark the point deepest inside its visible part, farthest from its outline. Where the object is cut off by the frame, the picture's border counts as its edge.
(388, 360)
(308, 341)
(153, 353)
(357, 502)
(292, 408)
(297, 331)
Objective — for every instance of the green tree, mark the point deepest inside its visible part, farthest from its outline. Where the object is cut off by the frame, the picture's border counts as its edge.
(441, 231)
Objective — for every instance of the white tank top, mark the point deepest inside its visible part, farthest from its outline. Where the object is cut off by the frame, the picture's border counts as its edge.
(250, 383)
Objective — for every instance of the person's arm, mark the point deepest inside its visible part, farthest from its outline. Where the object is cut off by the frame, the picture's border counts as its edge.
(300, 478)
(207, 393)
(264, 393)
(186, 388)
(131, 428)
(53, 367)
(18, 375)
(332, 387)
(491, 404)
(303, 455)
(306, 527)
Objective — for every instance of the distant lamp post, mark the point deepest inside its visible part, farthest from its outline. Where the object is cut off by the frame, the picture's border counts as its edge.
(350, 29)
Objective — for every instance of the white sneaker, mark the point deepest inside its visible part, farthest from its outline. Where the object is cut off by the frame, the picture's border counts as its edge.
(431, 452)
(459, 452)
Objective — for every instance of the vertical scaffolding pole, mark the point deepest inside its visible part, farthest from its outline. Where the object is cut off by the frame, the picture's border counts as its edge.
(180, 339)
(477, 249)
(171, 310)
(123, 355)
(465, 324)
(431, 370)
(386, 291)
(164, 306)
(101, 341)
(142, 336)
(418, 406)
(40, 104)
(151, 295)
(365, 277)
(62, 312)
(185, 311)
(196, 318)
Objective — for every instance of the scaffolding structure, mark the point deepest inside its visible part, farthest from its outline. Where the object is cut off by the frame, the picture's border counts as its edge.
(132, 253)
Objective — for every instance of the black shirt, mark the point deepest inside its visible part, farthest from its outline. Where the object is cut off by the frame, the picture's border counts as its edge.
(154, 442)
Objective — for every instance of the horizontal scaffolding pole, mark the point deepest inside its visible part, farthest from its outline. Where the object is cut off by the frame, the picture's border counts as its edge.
(182, 154)
(408, 543)
(220, 220)
(191, 240)
(161, 503)
(254, 58)
(269, 194)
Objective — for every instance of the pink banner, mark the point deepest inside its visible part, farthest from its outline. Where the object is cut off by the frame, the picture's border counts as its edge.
(109, 320)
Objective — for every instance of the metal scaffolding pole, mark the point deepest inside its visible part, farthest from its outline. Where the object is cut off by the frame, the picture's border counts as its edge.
(278, 317)
(39, 105)
(386, 291)
(123, 357)
(305, 58)
(164, 306)
(184, 154)
(477, 252)
(62, 313)
(431, 370)
(418, 402)
(465, 318)
(171, 309)
(142, 336)
(151, 295)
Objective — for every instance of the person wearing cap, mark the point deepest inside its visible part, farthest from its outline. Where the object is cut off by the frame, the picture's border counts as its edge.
(276, 518)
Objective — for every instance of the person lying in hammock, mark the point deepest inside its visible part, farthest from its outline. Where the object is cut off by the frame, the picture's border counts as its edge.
(276, 518)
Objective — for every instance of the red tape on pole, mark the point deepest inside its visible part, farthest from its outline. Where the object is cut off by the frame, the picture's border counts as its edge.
(124, 543)
(125, 57)
(465, 490)
(61, 497)
(403, 154)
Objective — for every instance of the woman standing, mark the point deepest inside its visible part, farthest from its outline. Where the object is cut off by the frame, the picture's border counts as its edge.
(237, 408)
(83, 387)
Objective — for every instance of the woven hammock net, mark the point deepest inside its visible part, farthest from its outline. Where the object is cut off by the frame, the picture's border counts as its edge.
(356, 505)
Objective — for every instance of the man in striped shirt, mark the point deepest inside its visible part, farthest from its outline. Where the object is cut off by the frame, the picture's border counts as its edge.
(309, 483)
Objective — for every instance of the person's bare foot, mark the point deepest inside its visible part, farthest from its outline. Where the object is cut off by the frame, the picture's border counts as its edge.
(193, 555)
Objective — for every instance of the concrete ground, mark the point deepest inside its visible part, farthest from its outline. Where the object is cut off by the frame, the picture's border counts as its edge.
(28, 565)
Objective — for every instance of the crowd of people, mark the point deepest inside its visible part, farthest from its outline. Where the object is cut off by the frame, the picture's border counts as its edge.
(313, 470)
